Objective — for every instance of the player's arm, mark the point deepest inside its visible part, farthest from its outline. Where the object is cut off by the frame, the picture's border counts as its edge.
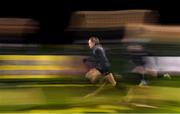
(101, 56)
(89, 59)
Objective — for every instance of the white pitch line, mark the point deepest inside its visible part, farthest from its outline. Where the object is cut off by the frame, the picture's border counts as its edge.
(144, 105)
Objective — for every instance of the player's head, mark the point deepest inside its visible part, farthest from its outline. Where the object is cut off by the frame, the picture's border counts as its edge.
(93, 41)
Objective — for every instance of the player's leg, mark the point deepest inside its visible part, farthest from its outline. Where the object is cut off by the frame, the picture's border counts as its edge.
(93, 74)
(88, 74)
(155, 73)
(142, 71)
(111, 79)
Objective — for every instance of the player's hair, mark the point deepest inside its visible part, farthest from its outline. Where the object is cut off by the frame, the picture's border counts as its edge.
(94, 40)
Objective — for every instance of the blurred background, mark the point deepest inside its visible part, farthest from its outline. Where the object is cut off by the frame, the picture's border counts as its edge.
(42, 47)
(53, 17)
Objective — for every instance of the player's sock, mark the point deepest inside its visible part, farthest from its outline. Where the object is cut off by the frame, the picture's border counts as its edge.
(143, 81)
(164, 75)
(167, 75)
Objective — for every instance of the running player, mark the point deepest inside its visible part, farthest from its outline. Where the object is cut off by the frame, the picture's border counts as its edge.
(102, 63)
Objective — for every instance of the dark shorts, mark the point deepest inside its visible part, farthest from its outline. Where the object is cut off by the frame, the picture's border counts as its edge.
(104, 70)
(132, 65)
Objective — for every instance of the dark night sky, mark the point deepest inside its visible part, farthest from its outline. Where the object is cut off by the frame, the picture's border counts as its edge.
(54, 16)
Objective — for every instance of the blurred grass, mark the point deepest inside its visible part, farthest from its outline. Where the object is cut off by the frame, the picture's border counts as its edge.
(70, 98)
(66, 94)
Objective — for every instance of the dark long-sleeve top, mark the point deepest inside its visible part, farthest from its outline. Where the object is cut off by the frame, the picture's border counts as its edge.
(99, 57)
(137, 57)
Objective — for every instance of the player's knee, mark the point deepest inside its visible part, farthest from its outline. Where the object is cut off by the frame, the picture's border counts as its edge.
(93, 79)
(88, 75)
